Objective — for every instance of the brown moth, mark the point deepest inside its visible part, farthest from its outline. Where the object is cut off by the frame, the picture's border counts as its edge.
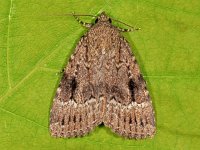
(102, 83)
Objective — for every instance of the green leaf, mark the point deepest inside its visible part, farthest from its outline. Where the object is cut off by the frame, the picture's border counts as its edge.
(36, 42)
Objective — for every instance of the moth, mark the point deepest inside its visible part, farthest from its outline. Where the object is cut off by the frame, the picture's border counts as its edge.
(102, 83)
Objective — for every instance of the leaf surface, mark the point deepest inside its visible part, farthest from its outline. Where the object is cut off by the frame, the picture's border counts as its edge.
(36, 42)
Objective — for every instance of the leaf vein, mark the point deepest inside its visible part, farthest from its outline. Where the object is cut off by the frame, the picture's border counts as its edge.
(25, 118)
(7, 50)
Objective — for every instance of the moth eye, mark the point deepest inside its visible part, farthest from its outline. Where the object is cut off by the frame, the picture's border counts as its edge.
(110, 20)
(96, 20)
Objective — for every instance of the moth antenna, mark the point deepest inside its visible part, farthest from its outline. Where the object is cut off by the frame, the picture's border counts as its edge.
(85, 24)
(72, 14)
(126, 30)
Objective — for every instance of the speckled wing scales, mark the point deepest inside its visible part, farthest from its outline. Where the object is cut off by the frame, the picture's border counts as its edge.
(73, 113)
(102, 83)
(130, 114)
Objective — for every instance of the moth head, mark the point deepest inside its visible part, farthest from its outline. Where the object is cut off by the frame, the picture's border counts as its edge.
(103, 18)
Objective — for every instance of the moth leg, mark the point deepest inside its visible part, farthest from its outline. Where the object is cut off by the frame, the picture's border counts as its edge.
(84, 24)
(62, 71)
(127, 30)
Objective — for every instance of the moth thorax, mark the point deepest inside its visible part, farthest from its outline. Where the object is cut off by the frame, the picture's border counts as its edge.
(103, 17)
